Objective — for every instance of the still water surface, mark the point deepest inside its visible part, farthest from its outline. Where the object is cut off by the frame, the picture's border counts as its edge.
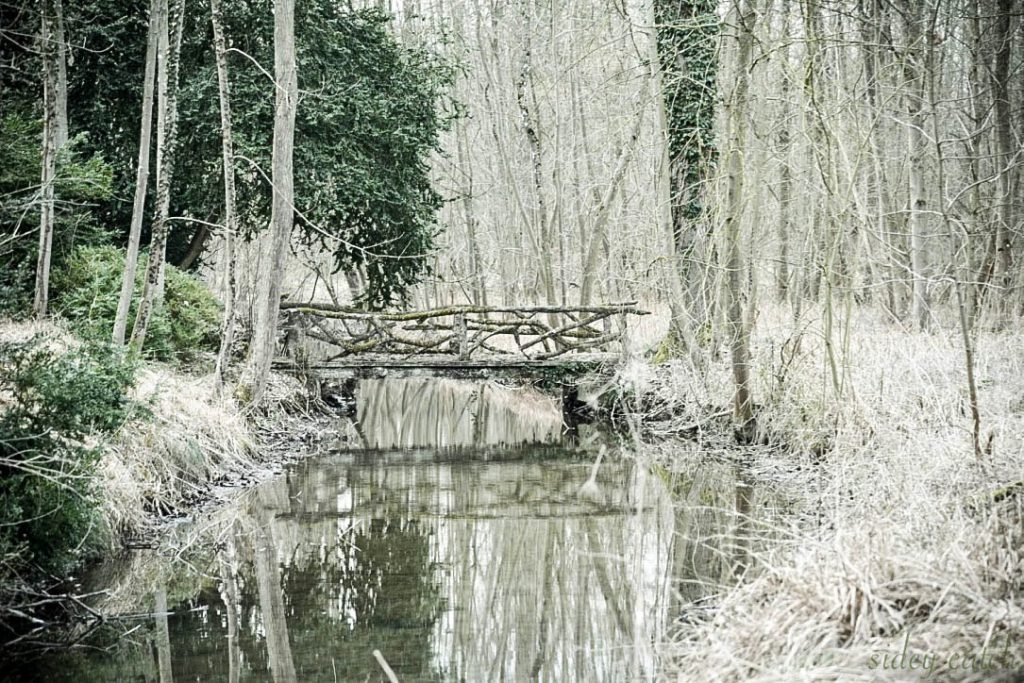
(460, 535)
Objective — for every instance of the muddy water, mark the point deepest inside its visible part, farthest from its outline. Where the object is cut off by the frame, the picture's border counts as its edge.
(459, 538)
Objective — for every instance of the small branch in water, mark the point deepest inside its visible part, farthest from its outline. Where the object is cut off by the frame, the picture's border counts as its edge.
(388, 671)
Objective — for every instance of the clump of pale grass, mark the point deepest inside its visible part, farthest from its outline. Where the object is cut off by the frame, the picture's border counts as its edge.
(895, 530)
(157, 463)
(55, 336)
(819, 604)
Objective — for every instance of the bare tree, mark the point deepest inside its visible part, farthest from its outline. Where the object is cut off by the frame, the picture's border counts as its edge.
(166, 138)
(914, 69)
(540, 227)
(230, 221)
(871, 40)
(743, 18)
(50, 34)
(782, 274)
(1005, 148)
(60, 90)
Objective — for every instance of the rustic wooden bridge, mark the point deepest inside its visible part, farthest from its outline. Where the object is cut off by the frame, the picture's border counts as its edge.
(453, 341)
(558, 343)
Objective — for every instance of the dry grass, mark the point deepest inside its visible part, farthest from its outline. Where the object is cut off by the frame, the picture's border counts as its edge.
(158, 463)
(884, 540)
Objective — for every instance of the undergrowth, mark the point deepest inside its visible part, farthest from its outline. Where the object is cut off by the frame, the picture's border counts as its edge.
(183, 325)
(55, 406)
(897, 533)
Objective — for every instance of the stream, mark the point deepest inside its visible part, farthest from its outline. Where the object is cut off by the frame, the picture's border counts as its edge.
(457, 535)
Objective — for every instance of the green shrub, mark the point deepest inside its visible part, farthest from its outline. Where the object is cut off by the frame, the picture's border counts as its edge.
(82, 180)
(54, 407)
(87, 287)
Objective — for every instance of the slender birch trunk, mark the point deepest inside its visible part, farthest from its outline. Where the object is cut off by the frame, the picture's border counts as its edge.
(744, 17)
(783, 145)
(157, 12)
(48, 34)
(227, 333)
(61, 86)
(1005, 148)
(871, 38)
(151, 292)
(920, 306)
(530, 122)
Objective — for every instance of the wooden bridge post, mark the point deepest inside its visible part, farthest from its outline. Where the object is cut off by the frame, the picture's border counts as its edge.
(572, 408)
(461, 336)
(624, 340)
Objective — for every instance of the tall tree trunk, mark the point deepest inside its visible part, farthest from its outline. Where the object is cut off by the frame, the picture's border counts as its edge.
(227, 332)
(978, 271)
(680, 331)
(1005, 150)
(531, 123)
(163, 49)
(50, 54)
(60, 90)
(744, 17)
(920, 307)
(157, 12)
(166, 137)
(783, 145)
(871, 39)
(687, 32)
(282, 216)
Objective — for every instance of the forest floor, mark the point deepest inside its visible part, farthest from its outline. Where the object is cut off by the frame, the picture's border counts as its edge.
(904, 553)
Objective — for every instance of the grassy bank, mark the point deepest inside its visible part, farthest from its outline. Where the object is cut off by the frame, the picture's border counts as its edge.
(149, 445)
(161, 463)
(901, 539)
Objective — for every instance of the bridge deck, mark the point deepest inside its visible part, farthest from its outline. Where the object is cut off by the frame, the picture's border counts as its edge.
(377, 366)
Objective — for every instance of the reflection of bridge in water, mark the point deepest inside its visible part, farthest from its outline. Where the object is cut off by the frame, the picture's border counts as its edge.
(520, 569)
(544, 570)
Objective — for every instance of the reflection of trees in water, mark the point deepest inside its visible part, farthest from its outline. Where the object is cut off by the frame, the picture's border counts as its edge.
(540, 582)
(712, 539)
(272, 608)
(473, 571)
(375, 593)
(346, 587)
(564, 588)
(163, 637)
(410, 413)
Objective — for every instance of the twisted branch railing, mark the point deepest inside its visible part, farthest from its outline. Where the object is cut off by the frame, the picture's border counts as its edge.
(536, 332)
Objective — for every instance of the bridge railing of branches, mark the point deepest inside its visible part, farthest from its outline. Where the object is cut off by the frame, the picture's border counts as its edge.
(535, 332)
